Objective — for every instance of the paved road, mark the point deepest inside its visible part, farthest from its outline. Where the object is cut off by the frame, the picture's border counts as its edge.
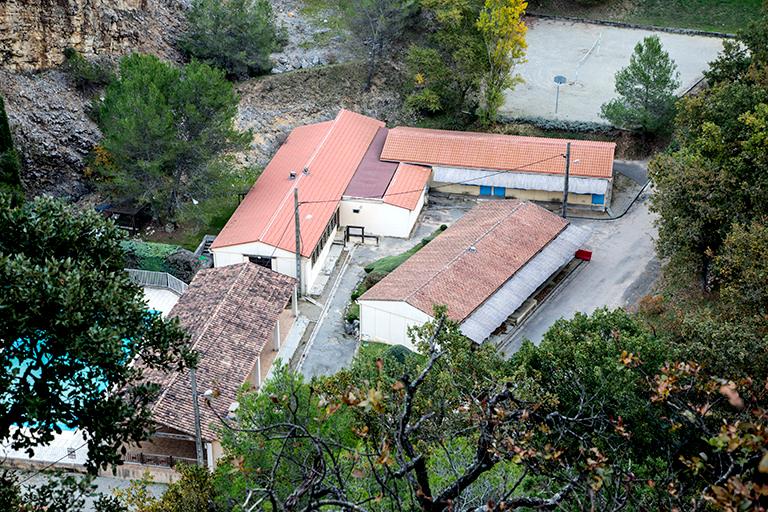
(333, 349)
(636, 170)
(623, 269)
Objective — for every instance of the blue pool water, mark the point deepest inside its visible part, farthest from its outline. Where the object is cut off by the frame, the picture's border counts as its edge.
(18, 367)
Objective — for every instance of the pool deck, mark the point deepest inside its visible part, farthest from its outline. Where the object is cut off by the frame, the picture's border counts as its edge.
(66, 449)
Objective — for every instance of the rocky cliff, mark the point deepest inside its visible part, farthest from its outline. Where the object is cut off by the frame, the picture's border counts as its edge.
(48, 115)
(51, 130)
(34, 33)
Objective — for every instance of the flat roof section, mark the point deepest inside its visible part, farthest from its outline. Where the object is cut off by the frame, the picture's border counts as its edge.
(373, 175)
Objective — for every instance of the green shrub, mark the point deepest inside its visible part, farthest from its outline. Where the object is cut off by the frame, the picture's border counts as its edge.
(85, 73)
(147, 255)
(353, 312)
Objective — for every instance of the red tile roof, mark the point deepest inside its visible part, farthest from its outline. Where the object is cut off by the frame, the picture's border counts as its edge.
(332, 151)
(407, 185)
(495, 151)
(498, 237)
(230, 314)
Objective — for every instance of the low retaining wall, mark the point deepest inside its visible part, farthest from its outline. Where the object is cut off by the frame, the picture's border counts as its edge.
(636, 26)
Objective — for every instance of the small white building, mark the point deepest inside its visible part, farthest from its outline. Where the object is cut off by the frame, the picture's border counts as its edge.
(334, 169)
(482, 268)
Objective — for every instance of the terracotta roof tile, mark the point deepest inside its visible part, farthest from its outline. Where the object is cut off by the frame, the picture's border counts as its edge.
(468, 262)
(332, 151)
(230, 314)
(495, 151)
(407, 185)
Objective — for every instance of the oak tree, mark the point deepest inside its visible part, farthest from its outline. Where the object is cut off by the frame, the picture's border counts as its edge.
(71, 323)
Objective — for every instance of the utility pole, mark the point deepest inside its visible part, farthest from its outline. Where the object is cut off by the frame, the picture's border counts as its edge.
(298, 238)
(567, 175)
(196, 410)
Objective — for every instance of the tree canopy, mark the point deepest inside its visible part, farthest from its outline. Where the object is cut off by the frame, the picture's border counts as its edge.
(235, 35)
(10, 163)
(378, 24)
(716, 175)
(592, 419)
(71, 324)
(646, 89)
(469, 60)
(168, 133)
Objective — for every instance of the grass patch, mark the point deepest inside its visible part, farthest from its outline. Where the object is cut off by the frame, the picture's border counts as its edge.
(328, 15)
(379, 269)
(371, 350)
(147, 255)
(708, 15)
(387, 264)
(711, 15)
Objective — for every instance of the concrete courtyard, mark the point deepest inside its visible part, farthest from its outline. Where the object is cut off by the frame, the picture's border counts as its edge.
(589, 56)
(623, 269)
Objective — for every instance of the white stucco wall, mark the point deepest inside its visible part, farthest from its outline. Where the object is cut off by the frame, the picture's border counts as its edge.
(520, 180)
(311, 272)
(283, 261)
(388, 321)
(379, 218)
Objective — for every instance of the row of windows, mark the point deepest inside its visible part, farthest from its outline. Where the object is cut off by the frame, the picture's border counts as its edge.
(487, 190)
(329, 230)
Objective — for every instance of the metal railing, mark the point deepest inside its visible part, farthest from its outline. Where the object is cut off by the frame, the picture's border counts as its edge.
(205, 244)
(157, 280)
(153, 459)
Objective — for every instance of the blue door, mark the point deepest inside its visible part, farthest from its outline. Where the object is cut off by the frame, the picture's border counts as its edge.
(486, 190)
(500, 191)
(598, 199)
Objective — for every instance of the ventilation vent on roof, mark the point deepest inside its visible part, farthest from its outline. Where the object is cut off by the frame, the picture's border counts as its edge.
(292, 175)
(305, 172)
(472, 248)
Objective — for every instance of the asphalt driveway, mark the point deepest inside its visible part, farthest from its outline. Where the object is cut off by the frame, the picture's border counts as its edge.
(624, 267)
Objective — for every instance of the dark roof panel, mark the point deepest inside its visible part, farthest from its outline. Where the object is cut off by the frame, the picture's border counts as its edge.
(372, 176)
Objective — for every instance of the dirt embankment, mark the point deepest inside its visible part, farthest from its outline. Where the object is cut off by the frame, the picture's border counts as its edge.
(272, 106)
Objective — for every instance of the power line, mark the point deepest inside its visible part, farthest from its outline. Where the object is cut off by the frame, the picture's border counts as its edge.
(465, 182)
(48, 466)
(523, 168)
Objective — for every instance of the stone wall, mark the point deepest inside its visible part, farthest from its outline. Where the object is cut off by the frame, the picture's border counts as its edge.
(34, 33)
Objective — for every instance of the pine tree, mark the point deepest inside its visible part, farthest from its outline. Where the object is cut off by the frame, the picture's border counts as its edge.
(646, 88)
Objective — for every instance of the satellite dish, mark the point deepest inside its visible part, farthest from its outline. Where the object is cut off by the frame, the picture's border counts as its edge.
(560, 79)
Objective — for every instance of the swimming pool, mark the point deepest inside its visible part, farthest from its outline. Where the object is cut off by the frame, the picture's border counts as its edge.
(39, 357)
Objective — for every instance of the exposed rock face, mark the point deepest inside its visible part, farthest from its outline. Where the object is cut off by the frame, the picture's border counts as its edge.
(34, 33)
(48, 116)
(51, 130)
